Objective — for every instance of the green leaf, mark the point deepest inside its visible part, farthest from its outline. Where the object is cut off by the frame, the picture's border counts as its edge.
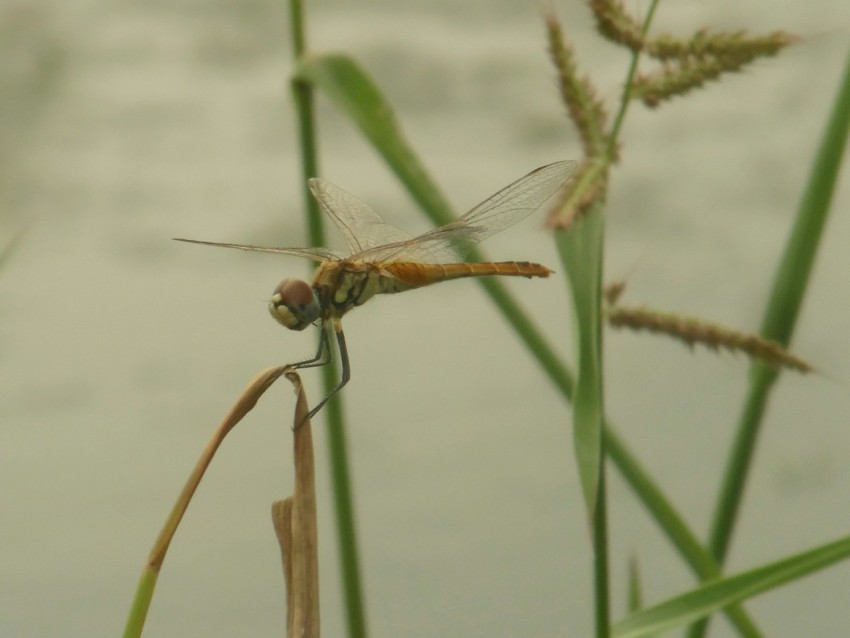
(580, 249)
(798, 259)
(716, 595)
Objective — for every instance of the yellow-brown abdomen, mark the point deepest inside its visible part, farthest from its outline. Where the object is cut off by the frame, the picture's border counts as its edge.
(414, 275)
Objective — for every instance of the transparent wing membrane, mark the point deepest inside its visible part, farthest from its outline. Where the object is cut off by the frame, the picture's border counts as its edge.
(370, 238)
(498, 212)
(316, 254)
(361, 227)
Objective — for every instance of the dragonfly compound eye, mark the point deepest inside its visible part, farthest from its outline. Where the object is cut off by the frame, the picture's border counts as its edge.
(294, 304)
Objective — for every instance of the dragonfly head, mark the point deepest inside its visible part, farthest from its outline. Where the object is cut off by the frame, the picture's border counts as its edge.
(294, 304)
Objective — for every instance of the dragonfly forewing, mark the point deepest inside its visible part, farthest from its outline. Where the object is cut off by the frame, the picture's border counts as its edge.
(509, 206)
(316, 254)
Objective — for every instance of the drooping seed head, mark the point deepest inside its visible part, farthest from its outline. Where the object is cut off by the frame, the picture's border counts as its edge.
(294, 304)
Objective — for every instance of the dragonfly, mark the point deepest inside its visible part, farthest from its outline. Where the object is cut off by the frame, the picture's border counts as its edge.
(383, 259)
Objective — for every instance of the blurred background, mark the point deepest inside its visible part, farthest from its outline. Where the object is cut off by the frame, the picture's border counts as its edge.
(125, 124)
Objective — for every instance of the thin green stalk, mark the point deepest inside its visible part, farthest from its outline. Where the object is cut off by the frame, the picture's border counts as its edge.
(602, 576)
(344, 509)
(601, 580)
(337, 449)
(626, 98)
(302, 94)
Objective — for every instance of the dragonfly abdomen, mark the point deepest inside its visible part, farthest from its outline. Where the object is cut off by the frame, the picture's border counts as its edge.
(413, 275)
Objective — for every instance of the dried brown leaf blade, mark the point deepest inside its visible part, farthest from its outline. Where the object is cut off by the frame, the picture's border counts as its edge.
(147, 583)
(296, 527)
(244, 404)
(282, 524)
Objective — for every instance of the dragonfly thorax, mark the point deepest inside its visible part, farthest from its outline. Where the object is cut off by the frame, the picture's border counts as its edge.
(295, 304)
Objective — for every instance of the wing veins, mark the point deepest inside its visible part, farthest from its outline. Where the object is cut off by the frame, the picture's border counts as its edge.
(498, 212)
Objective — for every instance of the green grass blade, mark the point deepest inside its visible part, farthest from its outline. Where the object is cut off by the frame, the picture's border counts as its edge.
(634, 588)
(580, 250)
(715, 595)
(783, 308)
(796, 266)
(141, 603)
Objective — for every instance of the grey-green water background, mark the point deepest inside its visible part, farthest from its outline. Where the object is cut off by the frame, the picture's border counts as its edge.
(125, 124)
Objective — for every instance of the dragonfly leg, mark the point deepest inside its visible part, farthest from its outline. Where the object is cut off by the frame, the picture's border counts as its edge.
(323, 354)
(346, 368)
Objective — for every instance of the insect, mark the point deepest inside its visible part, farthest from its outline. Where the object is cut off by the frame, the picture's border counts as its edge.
(383, 259)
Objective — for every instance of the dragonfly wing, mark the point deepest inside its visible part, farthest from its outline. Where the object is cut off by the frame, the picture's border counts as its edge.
(510, 205)
(316, 254)
(516, 201)
(362, 228)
